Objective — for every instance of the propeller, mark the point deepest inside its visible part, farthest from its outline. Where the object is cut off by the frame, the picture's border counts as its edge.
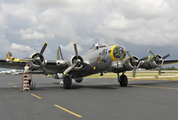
(38, 59)
(77, 61)
(159, 60)
(135, 62)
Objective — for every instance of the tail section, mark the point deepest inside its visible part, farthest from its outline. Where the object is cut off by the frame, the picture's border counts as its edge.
(59, 54)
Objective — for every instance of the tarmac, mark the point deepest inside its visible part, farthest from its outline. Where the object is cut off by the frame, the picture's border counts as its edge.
(93, 99)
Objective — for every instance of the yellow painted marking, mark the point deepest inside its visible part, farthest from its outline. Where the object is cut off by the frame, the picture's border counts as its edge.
(74, 43)
(47, 75)
(170, 54)
(148, 50)
(64, 73)
(94, 68)
(67, 110)
(17, 60)
(111, 54)
(99, 60)
(36, 96)
(14, 86)
(9, 83)
(154, 87)
(46, 42)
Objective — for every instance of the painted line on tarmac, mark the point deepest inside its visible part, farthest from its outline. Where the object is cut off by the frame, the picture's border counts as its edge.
(154, 87)
(67, 110)
(36, 96)
(9, 83)
(14, 86)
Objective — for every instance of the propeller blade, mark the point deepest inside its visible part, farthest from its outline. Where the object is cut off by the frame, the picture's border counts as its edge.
(143, 58)
(69, 69)
(159, 69)
(43, 48)
(134, 71)
(75, 48)
(167, 55)
(128, 54)
(151, 52)
(44, 69)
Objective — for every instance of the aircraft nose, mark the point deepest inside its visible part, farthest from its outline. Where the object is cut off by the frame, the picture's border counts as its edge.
(119, 53)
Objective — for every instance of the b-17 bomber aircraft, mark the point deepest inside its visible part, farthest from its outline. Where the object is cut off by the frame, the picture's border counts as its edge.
(101, 58)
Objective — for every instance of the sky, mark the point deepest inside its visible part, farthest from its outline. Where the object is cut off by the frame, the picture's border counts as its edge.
(138, 25)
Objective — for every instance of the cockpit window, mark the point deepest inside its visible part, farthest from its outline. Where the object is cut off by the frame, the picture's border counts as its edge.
(104, 52)
(97, 46)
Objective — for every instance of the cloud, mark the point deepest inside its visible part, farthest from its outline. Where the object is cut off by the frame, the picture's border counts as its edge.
(70, 47)
(68, 6)
(22, 11)
(33, 34)
(140, 22)
(19, 47)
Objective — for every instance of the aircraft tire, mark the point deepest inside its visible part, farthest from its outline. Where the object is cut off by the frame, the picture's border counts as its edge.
(124, 81)
(67, 83)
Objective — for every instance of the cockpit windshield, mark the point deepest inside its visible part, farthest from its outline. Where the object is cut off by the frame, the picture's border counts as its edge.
(97, 46)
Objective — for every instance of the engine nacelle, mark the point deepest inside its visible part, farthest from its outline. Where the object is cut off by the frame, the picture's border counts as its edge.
(155, 61)
(34, 63)
(73, 59)
(129, 63)
(152, 62)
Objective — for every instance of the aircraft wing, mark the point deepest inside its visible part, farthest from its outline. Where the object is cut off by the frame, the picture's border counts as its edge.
(4, 63)
(50, 65)
(168, 62)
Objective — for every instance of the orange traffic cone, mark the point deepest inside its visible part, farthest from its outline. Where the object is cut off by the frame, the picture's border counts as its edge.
(172, 79)
(135, 78)
(44, 77)
(154, 79)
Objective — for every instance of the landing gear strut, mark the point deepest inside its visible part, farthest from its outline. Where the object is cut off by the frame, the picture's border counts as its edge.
(67, 82)
(123, 80)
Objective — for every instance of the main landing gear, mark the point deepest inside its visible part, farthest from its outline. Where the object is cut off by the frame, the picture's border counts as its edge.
(67, 82)
(123, 80)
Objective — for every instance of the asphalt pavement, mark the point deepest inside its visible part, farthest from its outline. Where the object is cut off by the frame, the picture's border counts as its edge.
(93, 99)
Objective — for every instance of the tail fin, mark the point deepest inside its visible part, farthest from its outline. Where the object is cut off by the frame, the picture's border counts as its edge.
(59, 54)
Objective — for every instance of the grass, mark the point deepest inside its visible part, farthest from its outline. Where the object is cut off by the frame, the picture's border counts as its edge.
(139, 74)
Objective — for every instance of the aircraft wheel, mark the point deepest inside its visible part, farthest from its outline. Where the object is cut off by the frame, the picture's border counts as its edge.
(124, 81)
(67, 83)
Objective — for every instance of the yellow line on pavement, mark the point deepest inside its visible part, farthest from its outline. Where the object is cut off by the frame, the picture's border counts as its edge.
(36, 96)
(14, 86)
(9, 83)
(154, 87)
(67, 110)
